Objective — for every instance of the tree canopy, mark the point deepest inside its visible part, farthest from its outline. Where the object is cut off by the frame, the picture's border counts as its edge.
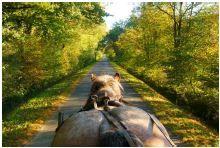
(175, 47)
(43, 42)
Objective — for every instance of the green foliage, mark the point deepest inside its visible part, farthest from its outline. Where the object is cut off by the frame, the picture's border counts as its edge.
(110, 53)
(108, 42)
(20, 125)
(99, 55)
(43, 42)
(174, 46)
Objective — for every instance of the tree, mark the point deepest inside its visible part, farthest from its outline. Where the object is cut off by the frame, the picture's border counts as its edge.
(174, 47)
(43, 42)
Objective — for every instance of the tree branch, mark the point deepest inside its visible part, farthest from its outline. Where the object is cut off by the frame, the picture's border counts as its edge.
(165, 12)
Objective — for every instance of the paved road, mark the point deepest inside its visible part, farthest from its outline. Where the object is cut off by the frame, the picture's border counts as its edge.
(78, 98)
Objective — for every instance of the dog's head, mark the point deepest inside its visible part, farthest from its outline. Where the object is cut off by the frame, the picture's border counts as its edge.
(106, 86)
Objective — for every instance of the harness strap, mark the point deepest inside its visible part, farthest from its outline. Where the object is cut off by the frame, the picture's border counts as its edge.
(120, 126)
(162, 128)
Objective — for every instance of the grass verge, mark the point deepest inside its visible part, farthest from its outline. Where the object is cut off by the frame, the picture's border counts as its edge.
(192, 131)
(19, 126)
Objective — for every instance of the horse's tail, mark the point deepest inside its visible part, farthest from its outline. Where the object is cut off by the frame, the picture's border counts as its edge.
(117, 139)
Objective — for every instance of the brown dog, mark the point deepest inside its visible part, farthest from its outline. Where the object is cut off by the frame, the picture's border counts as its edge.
(104, 86)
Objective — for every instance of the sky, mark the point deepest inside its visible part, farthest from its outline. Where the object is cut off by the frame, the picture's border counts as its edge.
(119, 10)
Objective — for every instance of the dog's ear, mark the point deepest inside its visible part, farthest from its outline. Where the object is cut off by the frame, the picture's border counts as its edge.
(117, 76)
(93, 77)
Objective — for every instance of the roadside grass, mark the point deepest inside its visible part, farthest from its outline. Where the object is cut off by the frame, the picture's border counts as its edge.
(191, 130)
(22, 123)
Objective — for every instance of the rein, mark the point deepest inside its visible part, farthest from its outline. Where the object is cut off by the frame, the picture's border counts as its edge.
(120, 126)
(161, 128)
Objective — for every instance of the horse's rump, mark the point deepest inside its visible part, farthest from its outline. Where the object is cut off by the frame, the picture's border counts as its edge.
(81, 129)
(85, 128)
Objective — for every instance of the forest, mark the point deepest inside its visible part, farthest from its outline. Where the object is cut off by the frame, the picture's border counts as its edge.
(170, 49)
(44, 42)
(173, 47)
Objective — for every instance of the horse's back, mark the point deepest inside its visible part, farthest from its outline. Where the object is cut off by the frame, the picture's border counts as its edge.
(141, 124)
(135, 119)
(79, 130)
(85, 128)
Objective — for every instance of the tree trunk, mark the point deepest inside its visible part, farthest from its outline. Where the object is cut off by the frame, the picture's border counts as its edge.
(174, 26)
(190, 16)
(178, 40)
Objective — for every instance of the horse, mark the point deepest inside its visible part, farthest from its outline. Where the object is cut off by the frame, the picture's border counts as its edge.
(105, 120)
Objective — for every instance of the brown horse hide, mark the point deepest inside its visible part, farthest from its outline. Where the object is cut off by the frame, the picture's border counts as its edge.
(86, 128)
(80, 130)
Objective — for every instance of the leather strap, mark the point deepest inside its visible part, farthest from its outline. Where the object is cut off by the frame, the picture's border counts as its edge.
(162, 128)
(120, 126)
